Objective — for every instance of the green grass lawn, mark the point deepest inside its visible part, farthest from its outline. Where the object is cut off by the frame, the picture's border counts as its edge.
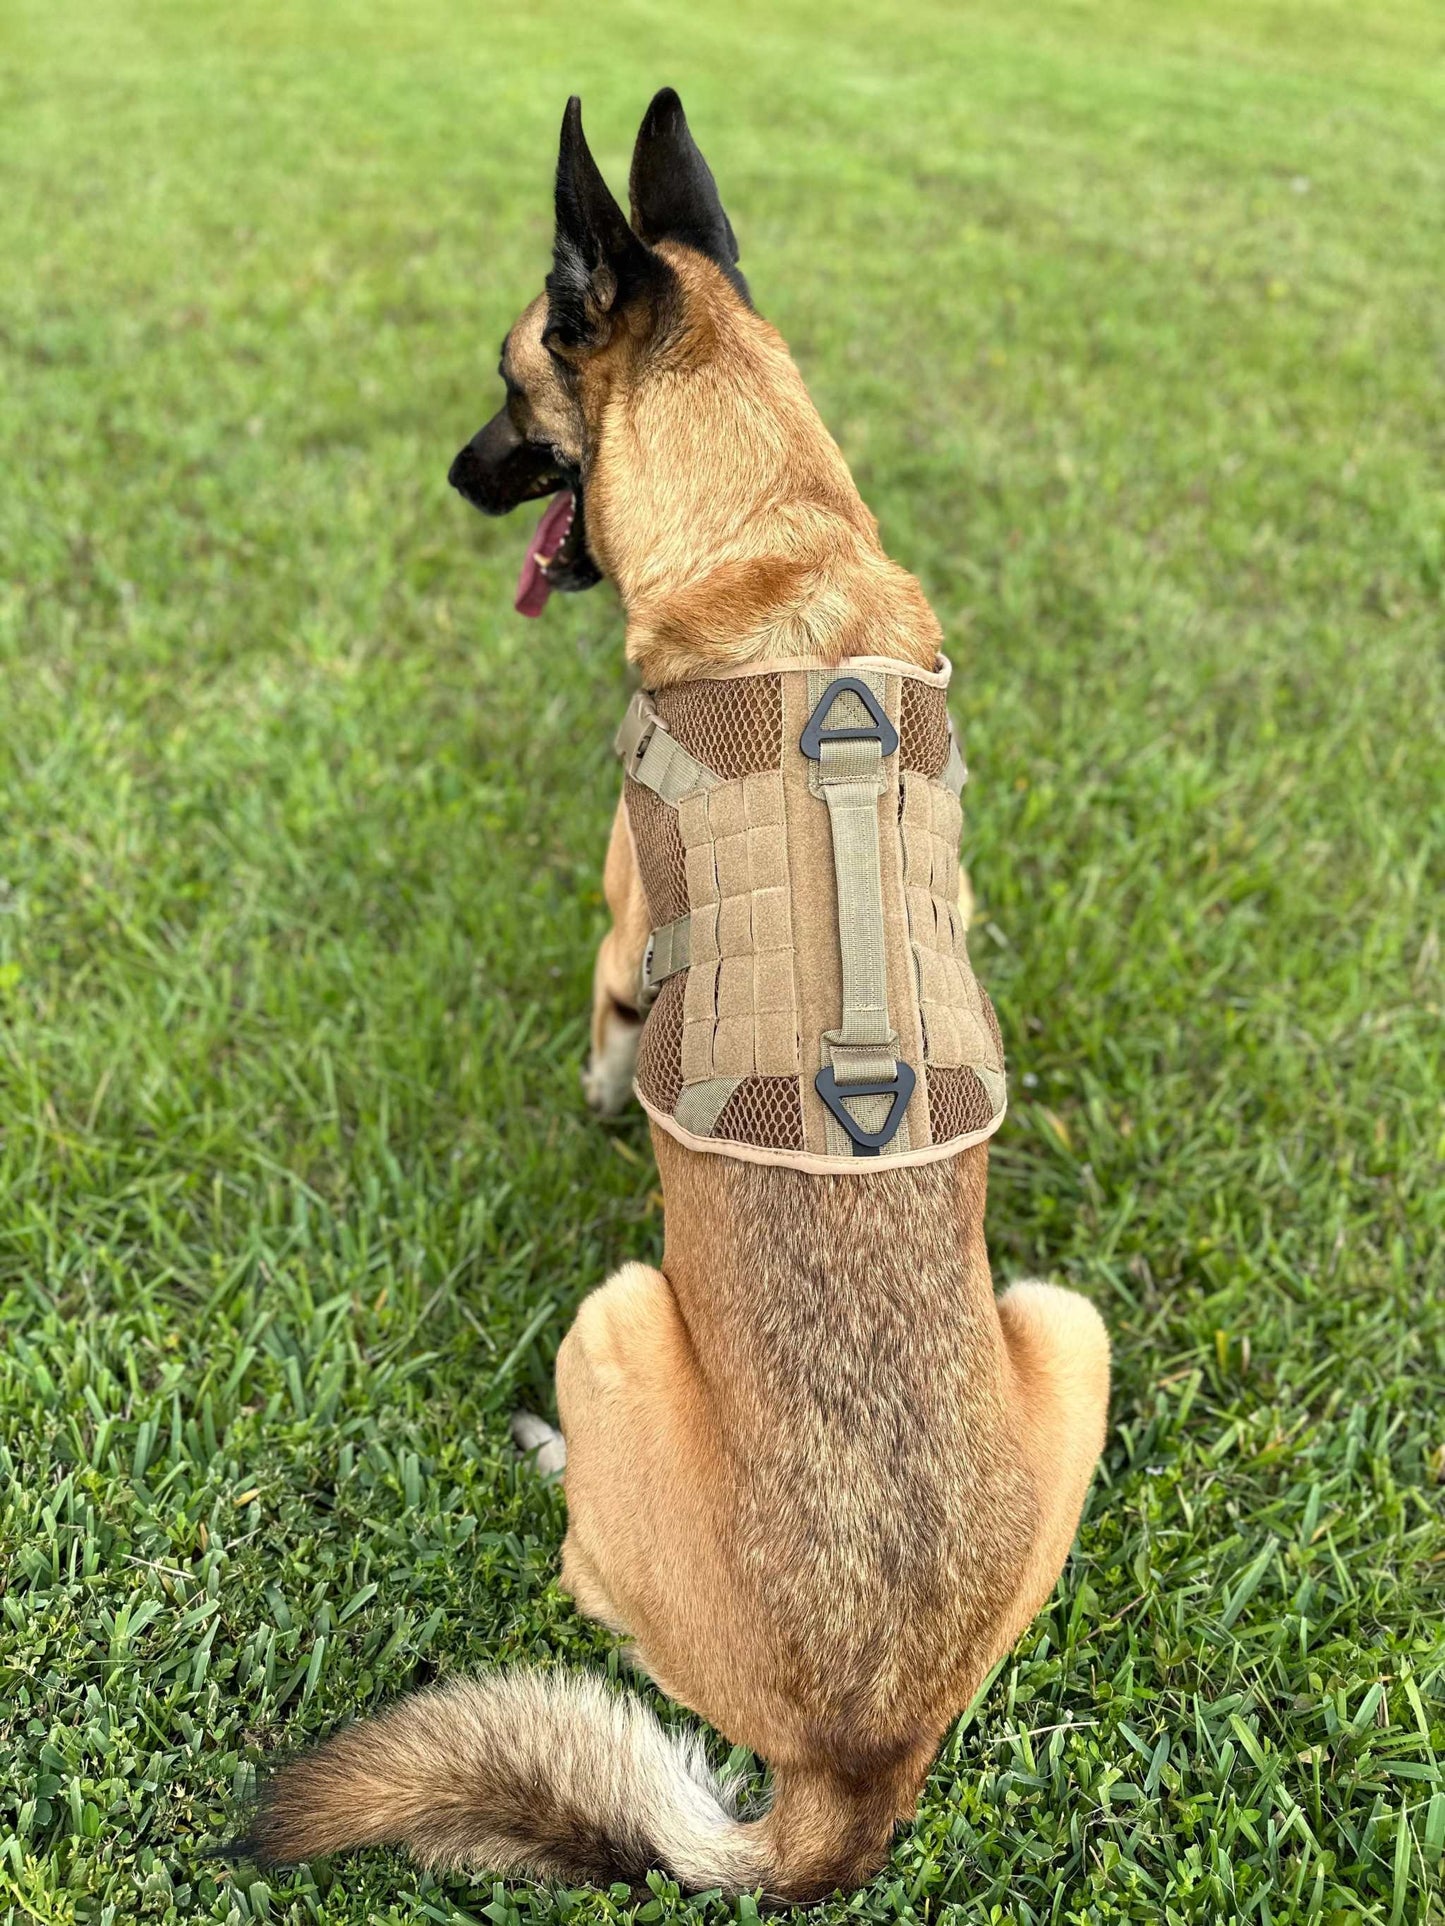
(1129, 319)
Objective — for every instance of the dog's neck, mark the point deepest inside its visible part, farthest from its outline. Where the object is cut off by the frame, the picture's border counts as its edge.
(730, 524)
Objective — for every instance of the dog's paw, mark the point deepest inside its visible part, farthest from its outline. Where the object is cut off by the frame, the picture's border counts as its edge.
(607, 1079)
(540, 1441)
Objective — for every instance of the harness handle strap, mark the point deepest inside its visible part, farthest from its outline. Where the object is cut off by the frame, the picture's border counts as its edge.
(861, 1063)
(849, 773)
(656, 759)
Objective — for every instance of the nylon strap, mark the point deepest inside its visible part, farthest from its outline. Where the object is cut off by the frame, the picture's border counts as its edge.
(654, 758)
(955, 772)
(849, 775)
(668, 951)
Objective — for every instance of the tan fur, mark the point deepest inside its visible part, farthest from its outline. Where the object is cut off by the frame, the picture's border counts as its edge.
(816, 1472)
(616, 1025)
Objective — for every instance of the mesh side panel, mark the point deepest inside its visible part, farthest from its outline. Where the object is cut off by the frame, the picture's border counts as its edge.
(957, 1103)
(659, 1050)
(765, 1111)
(923, 729)
(736, 728)
(660, 858)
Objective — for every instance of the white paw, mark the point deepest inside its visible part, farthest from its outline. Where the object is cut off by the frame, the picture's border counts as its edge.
(543, 1442)
(607, 1079)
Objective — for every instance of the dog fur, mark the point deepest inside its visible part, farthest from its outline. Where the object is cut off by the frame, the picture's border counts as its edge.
(817, 1474)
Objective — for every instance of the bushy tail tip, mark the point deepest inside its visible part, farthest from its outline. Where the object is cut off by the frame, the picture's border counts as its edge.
(556, 1775)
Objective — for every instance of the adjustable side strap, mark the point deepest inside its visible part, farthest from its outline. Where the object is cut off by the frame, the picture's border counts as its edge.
(668, 952)
(955, 770)
(659, 762)
(654, 758)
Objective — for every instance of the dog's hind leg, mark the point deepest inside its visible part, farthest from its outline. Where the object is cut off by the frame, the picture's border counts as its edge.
(616, 1018)
(646, 1550)
(1058, 1359)
(618, 1372)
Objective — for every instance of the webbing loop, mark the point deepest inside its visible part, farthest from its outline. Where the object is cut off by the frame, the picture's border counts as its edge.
(899, 1087)
(879, 729)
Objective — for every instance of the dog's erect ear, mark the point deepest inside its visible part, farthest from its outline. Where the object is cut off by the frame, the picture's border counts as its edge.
(674, 196)
(597, 260)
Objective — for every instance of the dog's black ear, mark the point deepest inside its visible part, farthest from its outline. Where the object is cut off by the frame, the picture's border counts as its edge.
(597, 260)
(674, 196)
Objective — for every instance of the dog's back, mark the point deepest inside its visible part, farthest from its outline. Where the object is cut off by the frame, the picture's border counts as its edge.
(881, 1503)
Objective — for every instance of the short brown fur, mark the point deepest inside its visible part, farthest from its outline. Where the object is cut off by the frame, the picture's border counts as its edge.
(817, 1473)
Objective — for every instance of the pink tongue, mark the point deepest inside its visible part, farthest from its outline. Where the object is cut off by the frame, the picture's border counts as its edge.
(533, 588)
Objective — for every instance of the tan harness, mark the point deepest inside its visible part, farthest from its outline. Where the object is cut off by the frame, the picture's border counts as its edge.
(809, 995)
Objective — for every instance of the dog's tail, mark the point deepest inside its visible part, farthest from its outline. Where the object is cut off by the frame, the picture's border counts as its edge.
(558, 1776)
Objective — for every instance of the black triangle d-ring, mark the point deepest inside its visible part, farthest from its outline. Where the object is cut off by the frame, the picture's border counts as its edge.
(880, 729)
(899, 1086)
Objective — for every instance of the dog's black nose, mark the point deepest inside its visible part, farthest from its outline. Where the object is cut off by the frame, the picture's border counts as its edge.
(463, 472)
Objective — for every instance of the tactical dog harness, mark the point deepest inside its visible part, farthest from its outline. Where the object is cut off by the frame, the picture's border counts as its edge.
(809, 995)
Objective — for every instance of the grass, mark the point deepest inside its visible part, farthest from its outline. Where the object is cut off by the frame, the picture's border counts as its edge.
(1128, 318)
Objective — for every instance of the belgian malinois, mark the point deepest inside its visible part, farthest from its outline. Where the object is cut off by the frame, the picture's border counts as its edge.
(817, 1474)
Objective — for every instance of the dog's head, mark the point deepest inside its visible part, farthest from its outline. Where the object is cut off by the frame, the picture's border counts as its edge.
(617, 292)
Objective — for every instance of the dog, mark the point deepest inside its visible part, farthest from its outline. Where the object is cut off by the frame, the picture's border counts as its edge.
(816, 1473)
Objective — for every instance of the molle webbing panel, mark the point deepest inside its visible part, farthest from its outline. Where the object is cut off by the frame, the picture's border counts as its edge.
(809, 994)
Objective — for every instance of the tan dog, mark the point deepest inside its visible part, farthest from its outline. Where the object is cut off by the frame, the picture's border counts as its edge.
(816, 1473)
